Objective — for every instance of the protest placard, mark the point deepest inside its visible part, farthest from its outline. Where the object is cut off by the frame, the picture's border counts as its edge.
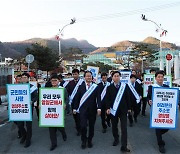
(148, 80)
(51, 107)
(164, 107)
(125, 76)
(19, 101)
(95, 72)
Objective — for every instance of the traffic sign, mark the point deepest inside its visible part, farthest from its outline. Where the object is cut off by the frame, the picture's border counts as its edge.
(29, 58)
(168, 56)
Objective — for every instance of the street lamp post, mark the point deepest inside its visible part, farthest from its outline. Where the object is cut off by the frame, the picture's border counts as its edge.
(162, 32)
(142, 64)
(61, 33)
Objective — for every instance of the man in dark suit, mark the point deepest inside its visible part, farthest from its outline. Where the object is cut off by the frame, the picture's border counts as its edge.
(136, 95)
(159, 77)
(102, 88)
(110, 77)
(72, 88)
(27, 133)
(85, 102)
(118, 104)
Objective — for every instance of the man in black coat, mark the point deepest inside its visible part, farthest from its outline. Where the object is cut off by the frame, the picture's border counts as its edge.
(85, 103)
(159, 77)
(136, 95)
(72, 88)
(118, 105)
(102, 88)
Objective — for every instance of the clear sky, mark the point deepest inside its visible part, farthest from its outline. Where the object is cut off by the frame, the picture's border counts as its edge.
(101, 22)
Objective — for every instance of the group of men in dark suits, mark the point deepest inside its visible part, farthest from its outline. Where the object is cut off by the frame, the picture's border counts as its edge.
(110, 100)
(113, 101)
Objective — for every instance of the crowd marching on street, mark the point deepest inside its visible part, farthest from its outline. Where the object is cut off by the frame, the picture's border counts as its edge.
(84, 98)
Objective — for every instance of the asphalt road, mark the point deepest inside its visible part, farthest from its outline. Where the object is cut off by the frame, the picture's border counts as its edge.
(141, 139)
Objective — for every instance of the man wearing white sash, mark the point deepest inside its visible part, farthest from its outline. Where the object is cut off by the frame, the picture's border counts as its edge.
(159, 77)
(85, 103)
(135, 91)
(118, 105)
(102, 88)
(72, 88)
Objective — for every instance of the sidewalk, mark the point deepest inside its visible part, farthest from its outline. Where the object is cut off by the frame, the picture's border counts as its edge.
(3, 113)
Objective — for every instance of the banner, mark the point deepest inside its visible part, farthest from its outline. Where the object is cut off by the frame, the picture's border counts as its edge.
(164, 108)
(51, 101)
(19, 100)
(125, 76)
(95, 72)
(148, 80)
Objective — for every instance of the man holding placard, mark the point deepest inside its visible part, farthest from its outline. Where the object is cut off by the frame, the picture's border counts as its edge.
(163, 101)
(52, 109)
(27, 134)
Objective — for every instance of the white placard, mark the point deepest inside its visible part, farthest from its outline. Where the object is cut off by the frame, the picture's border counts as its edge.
(19, 100)
(51, 107)
(164, 108)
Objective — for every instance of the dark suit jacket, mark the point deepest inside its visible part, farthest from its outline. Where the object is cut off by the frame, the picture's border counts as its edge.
(138, 90)
(109, 79)
(149, 95)
(90, 103)
(99, 91)
(70, 87)
(125, 104)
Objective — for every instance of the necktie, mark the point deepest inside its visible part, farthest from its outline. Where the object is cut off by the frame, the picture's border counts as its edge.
(88, 85)
(117, 86)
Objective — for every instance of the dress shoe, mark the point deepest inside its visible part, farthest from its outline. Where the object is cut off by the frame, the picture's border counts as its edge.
(116, 142)
(27, 144)
(53, 147)
(125, 149)
(90, 145)
(83, 145)
(162, 149)
(23, 139)
(104, 131)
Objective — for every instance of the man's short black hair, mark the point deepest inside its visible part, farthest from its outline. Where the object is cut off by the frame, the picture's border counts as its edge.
(70, 74)
(18, 76)
(25, 74)
(54, 76)
(103, 74)
(133, 76)
(159, 72)
(134, 71)
(115, 73)
(152, 70)
(75, 71)
(60, 76)
(142, 75)
(87, 72)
